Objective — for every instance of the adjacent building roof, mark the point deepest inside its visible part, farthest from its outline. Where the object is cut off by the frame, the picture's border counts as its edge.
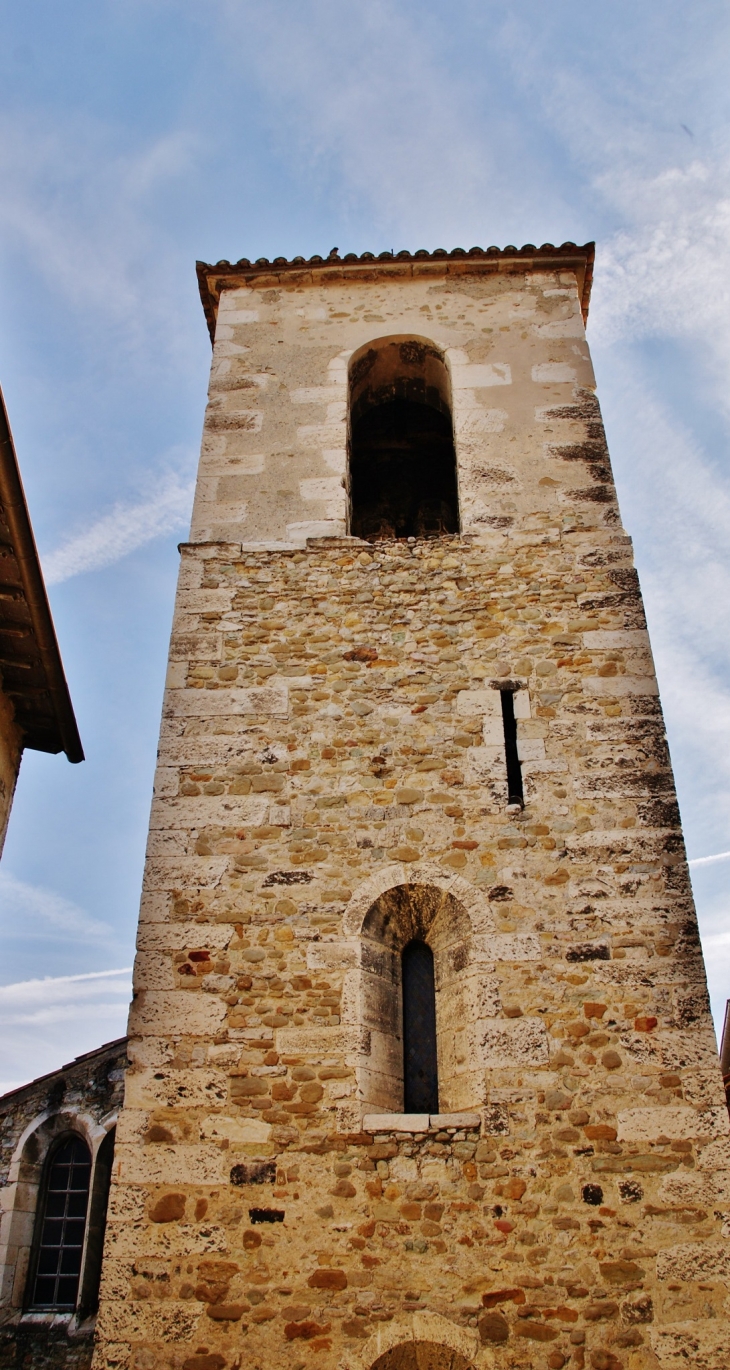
(31, 670)
(77, 1071)
(212, 279)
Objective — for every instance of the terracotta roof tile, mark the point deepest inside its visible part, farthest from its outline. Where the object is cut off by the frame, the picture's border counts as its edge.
(218, 276)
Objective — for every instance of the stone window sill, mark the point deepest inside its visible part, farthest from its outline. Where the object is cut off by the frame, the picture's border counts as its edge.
(70, 1321)
(41, 1319)
(420, 1122)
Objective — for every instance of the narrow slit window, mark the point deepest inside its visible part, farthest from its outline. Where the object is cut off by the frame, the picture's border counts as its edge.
(420, 1065)
(515, 792)
(63, 1226)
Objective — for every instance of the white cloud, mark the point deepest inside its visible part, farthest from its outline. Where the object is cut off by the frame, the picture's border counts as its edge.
(385, 128)
(123, 530)
(45, 1023)
(36, 913)
(77, 206)
(667, 272)
(709, 860)
(48, 999)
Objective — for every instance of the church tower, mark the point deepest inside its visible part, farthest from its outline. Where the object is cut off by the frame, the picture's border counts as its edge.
(423, 1072)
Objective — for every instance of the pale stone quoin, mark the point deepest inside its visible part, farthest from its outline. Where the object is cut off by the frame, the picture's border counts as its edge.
(414, 705)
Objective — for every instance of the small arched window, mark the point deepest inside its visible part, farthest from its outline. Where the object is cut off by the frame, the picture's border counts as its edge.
(402, 456)
(420, 1058)
(61, 1226)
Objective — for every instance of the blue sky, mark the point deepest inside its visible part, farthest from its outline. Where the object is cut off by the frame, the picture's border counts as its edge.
(139, 135)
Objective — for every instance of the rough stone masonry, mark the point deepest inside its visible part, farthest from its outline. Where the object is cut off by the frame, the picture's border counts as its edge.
(331, 783)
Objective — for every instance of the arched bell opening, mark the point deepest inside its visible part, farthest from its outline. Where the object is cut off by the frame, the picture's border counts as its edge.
(403, 478)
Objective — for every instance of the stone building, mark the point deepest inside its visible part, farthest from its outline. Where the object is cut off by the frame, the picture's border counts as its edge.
(422, 1067)
(35, 705)
(56, 1150)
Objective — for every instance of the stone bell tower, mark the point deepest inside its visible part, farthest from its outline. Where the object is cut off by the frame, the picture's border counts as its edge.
(423, 1072)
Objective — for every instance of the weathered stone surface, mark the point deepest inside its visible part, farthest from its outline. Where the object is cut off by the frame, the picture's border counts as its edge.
(506, 1044)
(701, 1344)
(695, 1261)
(649, 1124)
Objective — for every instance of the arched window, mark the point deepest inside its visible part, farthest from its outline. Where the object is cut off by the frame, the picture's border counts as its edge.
(420, 1061)
(61, 1226)
(402, 456)
(418, 996)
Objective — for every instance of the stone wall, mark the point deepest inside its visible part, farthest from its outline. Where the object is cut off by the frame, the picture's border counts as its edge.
(84, 1098)
(332, 774)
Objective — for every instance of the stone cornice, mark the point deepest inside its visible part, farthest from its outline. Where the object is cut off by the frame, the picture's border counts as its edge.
(213, 278)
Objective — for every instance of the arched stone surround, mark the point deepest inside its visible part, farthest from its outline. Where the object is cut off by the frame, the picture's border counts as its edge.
(21, 1194)
(456, 920)
(425, 1341)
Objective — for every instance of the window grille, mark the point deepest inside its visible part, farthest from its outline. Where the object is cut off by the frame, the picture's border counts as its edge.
(63, 1225)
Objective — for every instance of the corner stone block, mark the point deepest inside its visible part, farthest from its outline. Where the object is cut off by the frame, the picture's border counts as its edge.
(188, 1014)
(270, 701)
(165, 1088)
(177, 936)
(188, 1165)
(168, 873)
(621, 685)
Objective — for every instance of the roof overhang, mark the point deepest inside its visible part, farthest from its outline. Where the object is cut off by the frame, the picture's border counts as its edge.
(213, 279)
(31, 670)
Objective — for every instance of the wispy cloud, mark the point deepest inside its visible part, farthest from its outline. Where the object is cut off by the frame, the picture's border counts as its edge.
(386, 129)
(76, 204)
(55, 997)
(709, 860)
(667, 272)
(47, 1022)
(35, 912)
(676, 503)
(125, 528)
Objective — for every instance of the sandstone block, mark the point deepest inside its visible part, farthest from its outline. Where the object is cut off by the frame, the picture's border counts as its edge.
(194, 1015)
(517, 1042)
(270, 701)
(648, 1124)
